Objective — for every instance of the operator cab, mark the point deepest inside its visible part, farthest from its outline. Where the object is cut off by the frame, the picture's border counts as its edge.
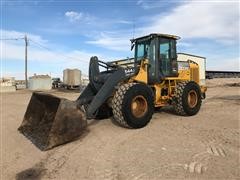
(160, 50)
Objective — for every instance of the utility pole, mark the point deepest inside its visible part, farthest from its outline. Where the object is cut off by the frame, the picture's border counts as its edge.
(26, 45)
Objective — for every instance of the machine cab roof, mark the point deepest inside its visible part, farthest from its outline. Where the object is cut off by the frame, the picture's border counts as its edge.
(152, 35)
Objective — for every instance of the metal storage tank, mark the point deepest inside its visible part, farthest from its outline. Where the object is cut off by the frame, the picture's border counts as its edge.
(72, 77)
(40, 82)
(201, 61)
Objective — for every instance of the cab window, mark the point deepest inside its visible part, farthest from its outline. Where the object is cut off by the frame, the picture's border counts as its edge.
(167, 54)
(142, 50)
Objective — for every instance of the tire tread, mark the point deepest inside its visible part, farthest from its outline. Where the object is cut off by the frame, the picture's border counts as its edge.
(117, 104)
(177, 102)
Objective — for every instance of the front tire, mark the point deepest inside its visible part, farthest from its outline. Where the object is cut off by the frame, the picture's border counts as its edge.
(133, 105)
(187, 100)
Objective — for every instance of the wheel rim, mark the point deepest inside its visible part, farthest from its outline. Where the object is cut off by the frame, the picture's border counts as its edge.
(192, 99)
(139, 106)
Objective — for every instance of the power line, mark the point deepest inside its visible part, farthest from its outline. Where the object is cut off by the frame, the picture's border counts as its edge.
(57, 53)
(26, 44)
(43, 47)
(9, 39)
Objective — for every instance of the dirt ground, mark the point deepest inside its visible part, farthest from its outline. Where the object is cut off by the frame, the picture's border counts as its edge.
(205, 146)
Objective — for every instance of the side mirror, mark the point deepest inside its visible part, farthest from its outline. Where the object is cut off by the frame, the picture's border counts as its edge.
(132, 45)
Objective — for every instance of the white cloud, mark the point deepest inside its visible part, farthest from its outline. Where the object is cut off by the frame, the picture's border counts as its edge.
(147, 5)
(212, 20)
(74, 16)
(43, 58)
(9, 34)
(113, 42)
(123, 22)
(36, 54)
(218, 21)
(15, 50)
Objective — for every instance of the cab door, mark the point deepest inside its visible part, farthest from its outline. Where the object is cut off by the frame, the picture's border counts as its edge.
(167, 57)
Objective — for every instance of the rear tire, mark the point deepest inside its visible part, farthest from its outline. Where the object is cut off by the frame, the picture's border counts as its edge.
(188, 98)
(133, 105)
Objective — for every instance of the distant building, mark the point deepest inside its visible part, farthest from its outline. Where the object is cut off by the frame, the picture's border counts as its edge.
(7, 84)
(7, 81)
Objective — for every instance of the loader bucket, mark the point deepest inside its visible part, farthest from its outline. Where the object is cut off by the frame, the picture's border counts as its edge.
(50, 121)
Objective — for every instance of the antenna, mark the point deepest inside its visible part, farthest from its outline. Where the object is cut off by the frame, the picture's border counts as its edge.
(133, 28)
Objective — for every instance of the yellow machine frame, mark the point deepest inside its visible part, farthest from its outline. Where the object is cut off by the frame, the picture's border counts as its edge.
(169, 83)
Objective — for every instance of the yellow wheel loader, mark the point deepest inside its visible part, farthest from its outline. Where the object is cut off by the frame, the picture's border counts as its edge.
(128, 89)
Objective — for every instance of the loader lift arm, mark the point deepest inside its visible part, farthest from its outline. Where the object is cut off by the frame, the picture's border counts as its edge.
(101, 85)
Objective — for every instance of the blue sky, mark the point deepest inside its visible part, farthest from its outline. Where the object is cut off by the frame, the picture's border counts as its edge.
(65, 34)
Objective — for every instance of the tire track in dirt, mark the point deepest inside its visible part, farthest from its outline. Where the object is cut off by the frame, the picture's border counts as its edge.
(216, 151)
(196, 167)
(214, 141)
(157, 170)
(219, 142)
(199, 163)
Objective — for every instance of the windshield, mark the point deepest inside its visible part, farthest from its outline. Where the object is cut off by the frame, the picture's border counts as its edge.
(147, 49)
(142, 50)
